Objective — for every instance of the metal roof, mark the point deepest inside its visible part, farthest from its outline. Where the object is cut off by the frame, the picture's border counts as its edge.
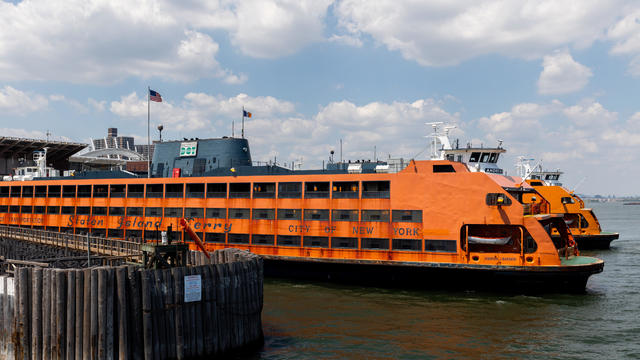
(56, 150)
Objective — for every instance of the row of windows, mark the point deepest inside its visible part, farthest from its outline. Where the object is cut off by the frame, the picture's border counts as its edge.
(288, 240)
(221, 213)
(286, 190)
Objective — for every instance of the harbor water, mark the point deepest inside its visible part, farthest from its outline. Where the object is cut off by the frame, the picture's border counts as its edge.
(304, 320)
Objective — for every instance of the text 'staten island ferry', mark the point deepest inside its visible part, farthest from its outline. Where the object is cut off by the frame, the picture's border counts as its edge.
(434, 223)
(582, 221)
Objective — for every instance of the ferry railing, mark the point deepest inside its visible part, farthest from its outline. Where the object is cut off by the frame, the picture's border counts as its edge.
(101, 245)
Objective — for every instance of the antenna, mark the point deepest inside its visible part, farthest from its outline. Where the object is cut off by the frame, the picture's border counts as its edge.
(578, 184)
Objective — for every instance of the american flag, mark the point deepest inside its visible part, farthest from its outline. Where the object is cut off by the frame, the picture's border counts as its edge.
(155, 96)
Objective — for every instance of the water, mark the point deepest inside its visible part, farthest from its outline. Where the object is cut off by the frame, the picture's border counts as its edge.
(312, 320)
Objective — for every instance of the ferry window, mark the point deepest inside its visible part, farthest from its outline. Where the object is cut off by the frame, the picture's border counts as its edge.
(264, 214)
(289, 240)
(116, 233)
(315, 241)
(375, 189)
(16, 191)
(440, 245)
(345, 189)
(134, 235)
(493, 199)
(536, 183)
(443, 168)
(154, 190)
(316, 214)
(173, 212)
(567, 200)
(99, 191)
(316, 190)
(52, 210)
(54, 191)
(475, 156)
(493, 158)
(135, 190)
(84, 191)
(38, 209)
(450, 157)
(99, 210)
(216, 213)
(116, 211)
(407, 216)
(239, 213)
(491, 238)
(68, 191)
(406, 244)
(68, 210)
(262, 239)
(289, 214)
(150, 235)
(27, 191)
(485, 157)
(174, 191)
(240, 190)
(195, 191)
(459, 158)
(83, 210)
(373, 243)
(216, 190)
(41, 191)
(118, 190)
(15, 209)
(26, 209)
(4, 191)
(215, 237)
(344, 243)
(344, 215)
(238, 238)
(134, 211)
(194, 212)
(264, 190)
(4, 209)
(530, 245)
(290, 190)
(153, 212)
(375, 215)
(583, 222)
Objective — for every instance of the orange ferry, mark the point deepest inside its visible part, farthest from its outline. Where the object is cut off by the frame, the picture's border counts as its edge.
(432, 224)
(582, 221)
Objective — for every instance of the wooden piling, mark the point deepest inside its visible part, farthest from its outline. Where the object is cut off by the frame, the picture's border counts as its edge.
(71, 315)
(61, 306)
(36, 306)
(86, 315)
(178, 281)
(78, 351)
(46, 313)
(122, 311)
(147, 321)
(102, 313)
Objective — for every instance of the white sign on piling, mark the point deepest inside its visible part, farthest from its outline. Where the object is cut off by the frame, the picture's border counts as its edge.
(192, 288)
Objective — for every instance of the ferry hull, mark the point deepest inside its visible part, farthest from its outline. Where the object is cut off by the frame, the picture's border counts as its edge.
(504, 279)
(600, 241)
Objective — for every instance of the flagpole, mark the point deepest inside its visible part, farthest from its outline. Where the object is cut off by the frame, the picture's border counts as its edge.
(148, 134)
(243, 121)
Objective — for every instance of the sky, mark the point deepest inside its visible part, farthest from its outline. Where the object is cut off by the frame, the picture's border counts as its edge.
(556, 81)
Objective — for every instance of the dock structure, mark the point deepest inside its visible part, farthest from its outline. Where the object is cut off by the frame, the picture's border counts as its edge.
(207, 308)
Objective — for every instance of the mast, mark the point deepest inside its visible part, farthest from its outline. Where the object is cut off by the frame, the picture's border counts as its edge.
(148, 132)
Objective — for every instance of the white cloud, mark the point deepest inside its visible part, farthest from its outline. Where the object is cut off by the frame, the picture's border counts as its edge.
(590, 113)
(561, 74)
(437, 33)
(14, 101)
(101, 41)
(346, 40)
(97, 105)
(270, 29)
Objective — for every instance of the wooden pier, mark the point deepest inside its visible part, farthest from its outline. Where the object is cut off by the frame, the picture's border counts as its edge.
(205, 309)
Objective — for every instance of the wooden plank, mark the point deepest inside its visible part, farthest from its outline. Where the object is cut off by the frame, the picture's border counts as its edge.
(61, 306)
(79, 313)
(53, 315)
(160, 323)
(198, 318)
(36, 308)
(147, 320)
(169, 310)
(207, 328)
(71, 315)
(102, 313)
(3, 326)
(94, 313)
(135, 291)
(122, 311)
(86, 315)
(10, 315)
(110, 313)
(178, 284)
(46, 314)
